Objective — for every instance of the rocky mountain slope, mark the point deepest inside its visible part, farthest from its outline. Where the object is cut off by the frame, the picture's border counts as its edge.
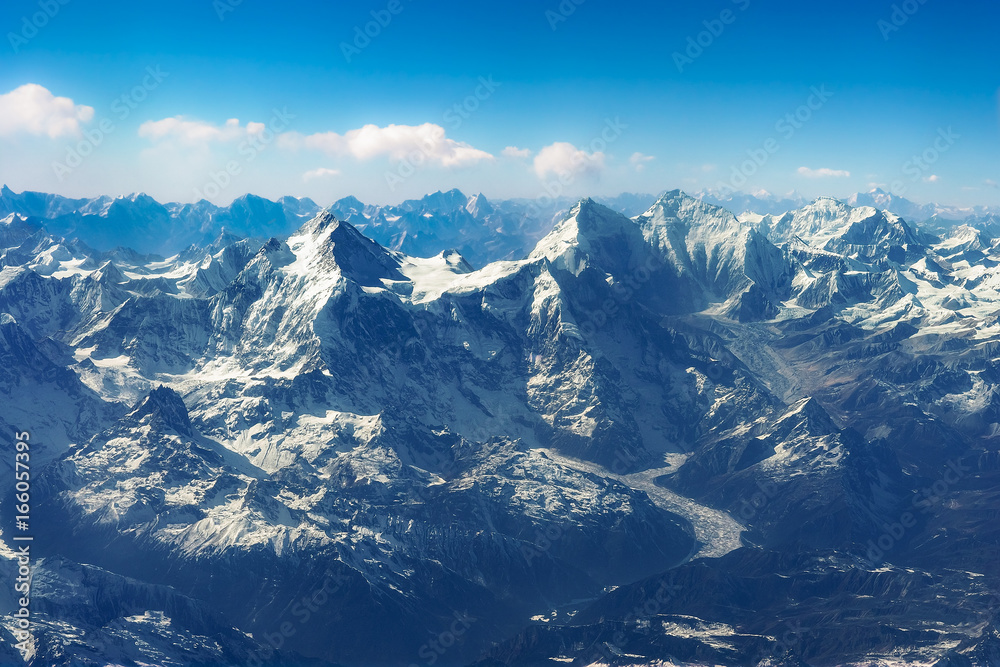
(685, 436)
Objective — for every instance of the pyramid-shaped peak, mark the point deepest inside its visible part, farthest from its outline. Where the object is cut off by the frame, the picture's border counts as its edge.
(225, 237)
(323, 220)
(592, 214)
(677, 207)
(109, 274)
(479, 206)
(331, 242)
(672, 194)
(276, 252)
(590, 229)
(674, 201)
(827, 204)
(349, 202)
(252, 199)
(165, 407)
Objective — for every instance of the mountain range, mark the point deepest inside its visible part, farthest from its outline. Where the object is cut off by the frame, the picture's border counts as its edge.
(483, 231)
(668, 434)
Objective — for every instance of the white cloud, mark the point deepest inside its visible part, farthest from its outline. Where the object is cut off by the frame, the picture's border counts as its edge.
(416, 143)
(515, 152)
(639, 160)
(564, 159)
(32, 109)
(823, 173)
(990, 183)
(322, 172)
(933, 178)
(196, 132)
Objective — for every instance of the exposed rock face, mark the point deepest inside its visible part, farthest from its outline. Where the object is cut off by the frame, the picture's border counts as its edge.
(789, 419)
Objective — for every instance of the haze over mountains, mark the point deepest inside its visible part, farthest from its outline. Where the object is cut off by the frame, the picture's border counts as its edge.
(681, 433)
(481, 229)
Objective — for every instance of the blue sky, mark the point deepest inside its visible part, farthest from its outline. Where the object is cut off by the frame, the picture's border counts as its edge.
(597, 98)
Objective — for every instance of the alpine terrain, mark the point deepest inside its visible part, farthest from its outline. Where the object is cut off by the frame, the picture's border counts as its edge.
(648, 431)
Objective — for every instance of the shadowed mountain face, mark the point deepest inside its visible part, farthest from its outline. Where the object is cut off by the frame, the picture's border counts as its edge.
(684, 436)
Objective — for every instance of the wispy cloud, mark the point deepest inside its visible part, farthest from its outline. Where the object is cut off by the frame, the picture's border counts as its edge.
(823, 173)
(640, 160)
(32, 109)
(427, 142)
(197, 132)
(322, 172)
(565, 159)
(515, 152)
